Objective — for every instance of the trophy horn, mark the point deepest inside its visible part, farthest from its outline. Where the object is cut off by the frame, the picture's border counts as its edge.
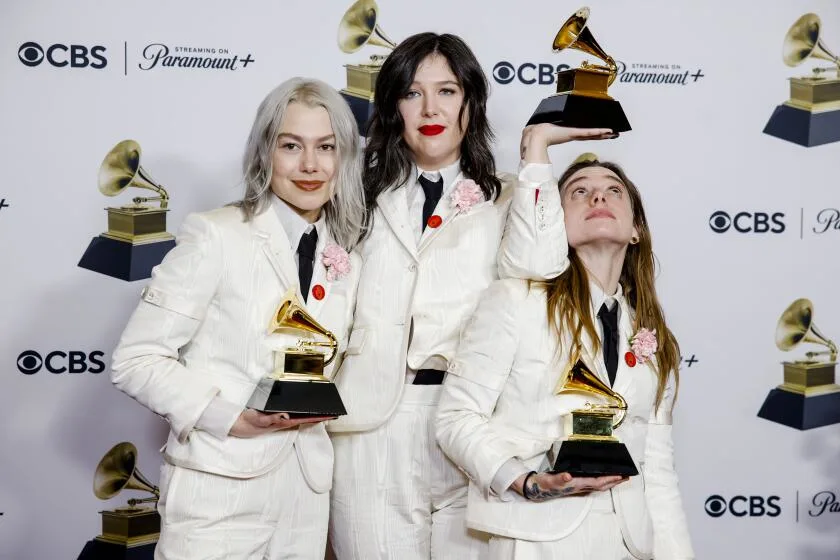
(796, 325)
(359, 27)
(574, 34)
(580, 378)
(117, 471)
(803, 41)
(292, 315)
(121, 169)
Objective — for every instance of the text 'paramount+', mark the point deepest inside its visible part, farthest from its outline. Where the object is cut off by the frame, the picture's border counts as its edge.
(159, 55)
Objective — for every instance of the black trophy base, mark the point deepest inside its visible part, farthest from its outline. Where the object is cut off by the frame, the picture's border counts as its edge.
(120, 259)
(300, 399)
(594, 458)
(799, 411)
(580, 111)
(362, 110)
(101, 550)
(804, 127)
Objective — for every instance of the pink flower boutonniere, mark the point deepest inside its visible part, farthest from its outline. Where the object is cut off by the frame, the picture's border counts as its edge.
(643, 345)
(467, 193)
(337, 262)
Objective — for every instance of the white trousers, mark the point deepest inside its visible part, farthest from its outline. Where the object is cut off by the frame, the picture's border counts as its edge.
(206, 516)
(597, 538)
(396, 495)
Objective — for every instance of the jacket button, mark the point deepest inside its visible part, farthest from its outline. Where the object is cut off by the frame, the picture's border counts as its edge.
(412, 267)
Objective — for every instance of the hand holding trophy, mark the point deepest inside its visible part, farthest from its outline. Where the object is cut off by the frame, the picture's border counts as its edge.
(581, 100)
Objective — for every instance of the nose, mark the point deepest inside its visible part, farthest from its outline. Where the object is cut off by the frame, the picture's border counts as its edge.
(430, 106)
(309, 161)
(597, 197)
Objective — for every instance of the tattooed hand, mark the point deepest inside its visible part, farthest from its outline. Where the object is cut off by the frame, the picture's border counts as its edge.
(547, 486)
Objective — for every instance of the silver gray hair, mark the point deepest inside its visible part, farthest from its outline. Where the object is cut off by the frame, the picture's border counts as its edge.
(344, 212)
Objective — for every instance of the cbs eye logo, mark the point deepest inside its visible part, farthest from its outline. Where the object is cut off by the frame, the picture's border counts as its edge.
(742, 506)
(30, 362)
(747, 222)
(76, 56)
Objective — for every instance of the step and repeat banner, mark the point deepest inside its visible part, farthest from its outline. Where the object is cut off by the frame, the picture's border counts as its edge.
(735, 146)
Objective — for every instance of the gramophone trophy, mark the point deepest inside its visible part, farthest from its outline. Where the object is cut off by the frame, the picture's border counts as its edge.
(358, 28)
(812, 114)
(136, 240)
(127, 532)
(591, 449)
(581, 100)
(809, 397)
(297, 385)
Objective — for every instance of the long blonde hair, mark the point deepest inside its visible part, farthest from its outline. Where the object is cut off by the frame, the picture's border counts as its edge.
(569, 297)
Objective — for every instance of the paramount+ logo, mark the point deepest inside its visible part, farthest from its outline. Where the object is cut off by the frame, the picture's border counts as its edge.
(60, 55)
(747, 222)
(31, 362)
(743, 506)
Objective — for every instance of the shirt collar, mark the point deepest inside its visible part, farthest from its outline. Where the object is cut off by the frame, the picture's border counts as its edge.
(449, 174)
(598, 296)
(293, 224)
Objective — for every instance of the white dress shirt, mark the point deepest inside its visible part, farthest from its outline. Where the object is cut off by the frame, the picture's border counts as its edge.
(416, 197)
(514, 468)
(221, 412)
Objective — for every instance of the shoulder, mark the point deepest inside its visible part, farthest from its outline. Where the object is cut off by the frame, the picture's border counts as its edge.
(515, 293)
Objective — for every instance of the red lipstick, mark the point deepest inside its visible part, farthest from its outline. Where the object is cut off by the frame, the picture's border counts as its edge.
(308, 185)
(431, 129)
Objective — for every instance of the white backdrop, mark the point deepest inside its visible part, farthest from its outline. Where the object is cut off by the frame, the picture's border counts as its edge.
(696, 148)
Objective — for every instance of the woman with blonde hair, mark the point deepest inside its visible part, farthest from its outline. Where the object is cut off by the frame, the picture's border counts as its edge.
(501, 419)
(237, 482)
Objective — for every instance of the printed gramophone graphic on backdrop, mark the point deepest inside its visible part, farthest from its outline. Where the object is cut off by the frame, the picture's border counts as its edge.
(358, 28)
(581, 99)
(136, 240)
(130, 531)
(812, 114)
(809, 397)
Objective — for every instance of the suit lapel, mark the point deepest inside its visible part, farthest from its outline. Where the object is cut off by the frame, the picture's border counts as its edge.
(275, 246)
(624, 373)
(319, 277)
(447, 213)
(394, 208)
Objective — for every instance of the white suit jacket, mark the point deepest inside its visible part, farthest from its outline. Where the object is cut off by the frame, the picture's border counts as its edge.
(439, 280)
(499, 403)
(201, 330)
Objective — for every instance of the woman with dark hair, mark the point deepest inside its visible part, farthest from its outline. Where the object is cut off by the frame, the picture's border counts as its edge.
(501, 420)
(441, 226)
(237, 483)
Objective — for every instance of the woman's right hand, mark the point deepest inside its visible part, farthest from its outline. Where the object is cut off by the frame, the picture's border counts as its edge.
(536, 138)
(547, 486)
(252, 423)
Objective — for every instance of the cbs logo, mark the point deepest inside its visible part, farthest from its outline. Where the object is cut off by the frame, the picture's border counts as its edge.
(747, 222)
(58, 55)
(528, 73)
(30, 362)
(741, 506)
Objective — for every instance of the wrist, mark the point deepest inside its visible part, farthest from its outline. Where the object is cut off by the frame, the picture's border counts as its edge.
(524, 490)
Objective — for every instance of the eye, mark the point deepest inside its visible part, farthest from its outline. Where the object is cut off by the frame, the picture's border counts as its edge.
(411, 94)
(579, 191)
(448, 91)
(327, 147)
(289, 146)
(616, 190)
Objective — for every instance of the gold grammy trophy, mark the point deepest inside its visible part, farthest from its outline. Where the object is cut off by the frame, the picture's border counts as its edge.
(298, 385)
(358, 28)
(812, 114)
(130, 531)
(809, 397)
(582, 100)
(136, 240)
(592, 449)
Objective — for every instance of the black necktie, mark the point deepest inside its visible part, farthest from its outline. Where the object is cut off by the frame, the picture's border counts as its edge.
(433, 190)
(609, 320)
(306, 258)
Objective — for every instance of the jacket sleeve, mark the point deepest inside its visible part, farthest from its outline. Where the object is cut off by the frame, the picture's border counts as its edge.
(146, 362)
(475, 379)
(671, 539)
(534, 245)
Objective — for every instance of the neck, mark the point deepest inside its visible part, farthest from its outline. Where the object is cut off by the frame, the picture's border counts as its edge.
(603, 263)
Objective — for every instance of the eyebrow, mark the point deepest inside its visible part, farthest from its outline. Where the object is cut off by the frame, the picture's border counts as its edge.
(301, 139)
(440, 83)
(585, 177)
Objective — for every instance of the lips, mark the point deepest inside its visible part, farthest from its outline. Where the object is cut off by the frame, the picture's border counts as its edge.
(600, 213)
(308, 185)
(431, 129)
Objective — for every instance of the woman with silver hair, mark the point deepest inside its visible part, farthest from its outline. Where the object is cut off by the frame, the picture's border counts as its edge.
(236, 482)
